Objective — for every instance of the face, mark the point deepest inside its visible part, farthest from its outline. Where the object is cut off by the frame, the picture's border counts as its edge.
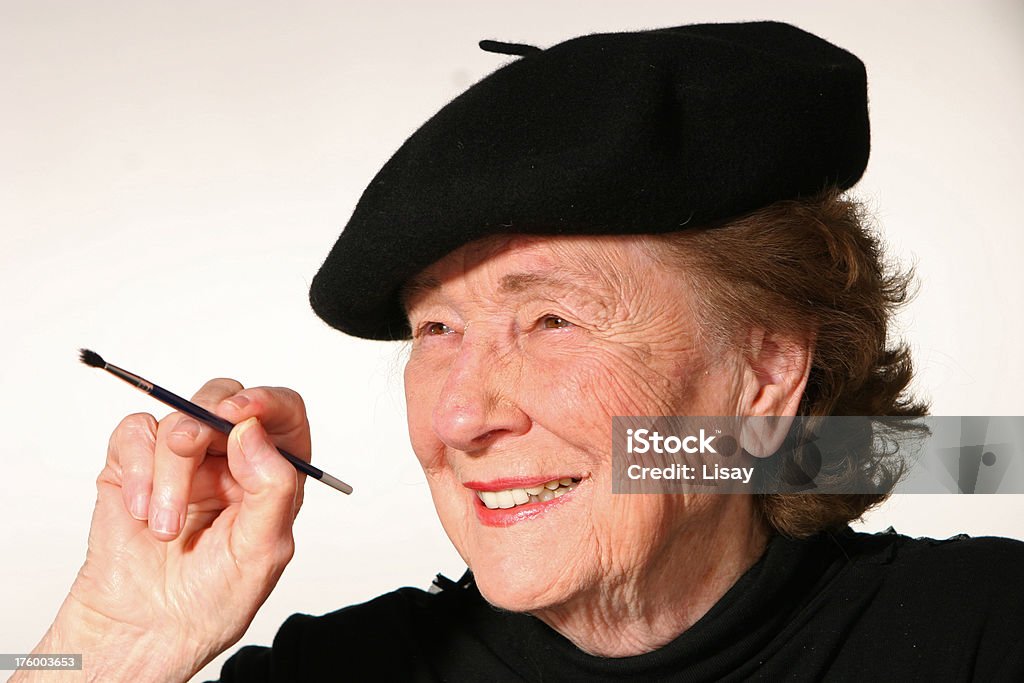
(524, 349)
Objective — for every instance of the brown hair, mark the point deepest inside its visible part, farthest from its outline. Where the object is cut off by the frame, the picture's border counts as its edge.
(813, 268)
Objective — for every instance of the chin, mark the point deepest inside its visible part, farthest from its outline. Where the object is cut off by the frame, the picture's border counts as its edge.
(517, 592)
(524, 581)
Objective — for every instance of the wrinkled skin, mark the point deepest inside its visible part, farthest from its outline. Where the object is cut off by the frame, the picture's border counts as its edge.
(524, 349)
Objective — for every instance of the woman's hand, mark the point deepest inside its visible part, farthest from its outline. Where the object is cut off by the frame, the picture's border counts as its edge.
(191, 532)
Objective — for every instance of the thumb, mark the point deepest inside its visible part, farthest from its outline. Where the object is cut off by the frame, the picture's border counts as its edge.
(269, 483)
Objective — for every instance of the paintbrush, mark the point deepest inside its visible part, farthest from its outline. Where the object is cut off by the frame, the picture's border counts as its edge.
(94, 359)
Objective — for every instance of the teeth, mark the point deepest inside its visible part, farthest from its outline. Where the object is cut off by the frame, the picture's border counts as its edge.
(505, 500)
(535, 494)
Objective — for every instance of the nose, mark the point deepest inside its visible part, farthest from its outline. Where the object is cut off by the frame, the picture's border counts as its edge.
(478, 405)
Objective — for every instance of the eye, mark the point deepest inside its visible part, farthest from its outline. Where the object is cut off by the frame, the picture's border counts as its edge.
(436, 328)
(433, 329)
(554, 322)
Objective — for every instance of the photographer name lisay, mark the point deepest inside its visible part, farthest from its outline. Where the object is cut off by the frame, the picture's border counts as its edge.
(706, 472)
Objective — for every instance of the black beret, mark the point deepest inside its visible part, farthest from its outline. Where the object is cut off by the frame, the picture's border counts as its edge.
(618, 133)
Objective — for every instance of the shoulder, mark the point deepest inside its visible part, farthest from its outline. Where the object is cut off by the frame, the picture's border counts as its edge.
(957, 557)
(390, 637)
(972, 581)
(919, 608)
(401, 618)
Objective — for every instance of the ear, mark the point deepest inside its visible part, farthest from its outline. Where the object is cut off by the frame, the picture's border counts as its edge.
(775, 375)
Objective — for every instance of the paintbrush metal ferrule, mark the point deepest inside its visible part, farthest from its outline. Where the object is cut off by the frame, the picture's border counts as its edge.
(130, 377)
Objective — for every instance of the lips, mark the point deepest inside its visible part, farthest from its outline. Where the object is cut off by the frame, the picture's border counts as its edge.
(513, 497)
(504, 502)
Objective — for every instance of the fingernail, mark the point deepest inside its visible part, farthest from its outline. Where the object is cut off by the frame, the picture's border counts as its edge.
(248, 440)
(187, 427)
(238, 402)
(166, 521)
(140, 507)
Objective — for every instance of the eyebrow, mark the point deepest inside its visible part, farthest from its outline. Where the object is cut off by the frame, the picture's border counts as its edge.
(515, 283)
(421, 284)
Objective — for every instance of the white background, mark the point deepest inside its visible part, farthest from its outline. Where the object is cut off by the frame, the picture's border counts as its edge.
(173, 173)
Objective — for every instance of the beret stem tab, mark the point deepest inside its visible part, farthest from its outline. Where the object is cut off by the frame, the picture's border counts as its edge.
(517, 49)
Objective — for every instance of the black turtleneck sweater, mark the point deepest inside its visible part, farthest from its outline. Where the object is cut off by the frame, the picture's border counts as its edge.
(841, 606)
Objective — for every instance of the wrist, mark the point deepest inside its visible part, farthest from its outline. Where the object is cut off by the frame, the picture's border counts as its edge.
(111, 650)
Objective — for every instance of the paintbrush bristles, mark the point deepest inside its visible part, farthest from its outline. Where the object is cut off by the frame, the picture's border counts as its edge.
(91, 358)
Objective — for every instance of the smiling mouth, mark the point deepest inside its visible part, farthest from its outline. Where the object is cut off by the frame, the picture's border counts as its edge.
(510, 498)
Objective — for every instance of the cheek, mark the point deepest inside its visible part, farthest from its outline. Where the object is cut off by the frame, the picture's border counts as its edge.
(590, 386)
(423, 382)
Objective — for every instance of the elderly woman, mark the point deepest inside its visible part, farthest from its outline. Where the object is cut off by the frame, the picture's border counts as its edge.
(645, 224)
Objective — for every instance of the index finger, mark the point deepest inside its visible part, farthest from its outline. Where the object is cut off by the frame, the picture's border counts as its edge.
(281, 412)
(181, 446)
